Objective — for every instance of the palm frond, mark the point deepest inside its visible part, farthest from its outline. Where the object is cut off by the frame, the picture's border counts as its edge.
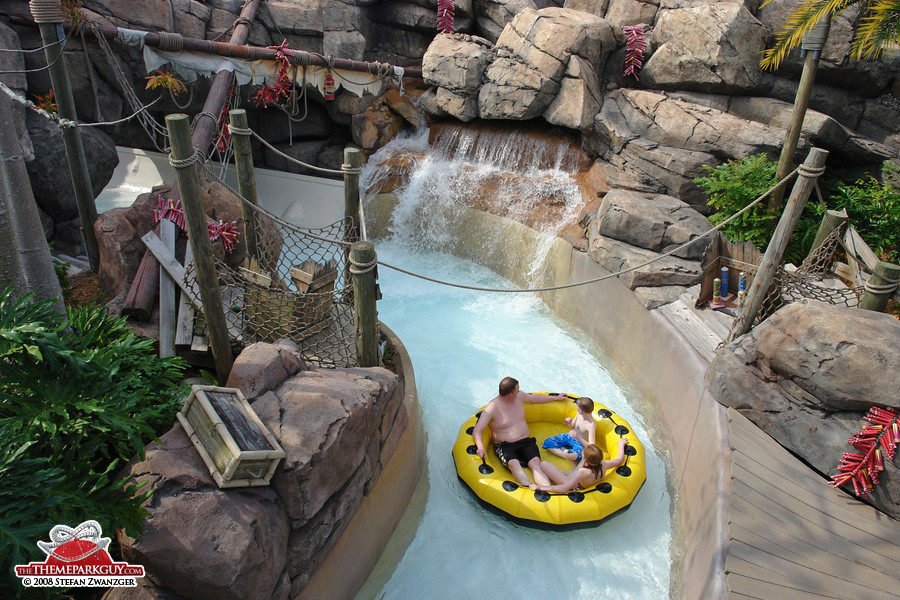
(878, 31)
(796, 25)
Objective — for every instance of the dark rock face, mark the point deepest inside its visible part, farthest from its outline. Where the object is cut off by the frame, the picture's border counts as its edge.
(337, 427)
(49, 169)
(808, 374)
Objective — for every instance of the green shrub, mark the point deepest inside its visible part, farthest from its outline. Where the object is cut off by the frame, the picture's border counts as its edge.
(79, 395)
(873, 207)
(734, 185)
(874, 211)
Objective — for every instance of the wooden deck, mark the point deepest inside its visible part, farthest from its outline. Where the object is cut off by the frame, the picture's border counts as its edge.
(792, 536)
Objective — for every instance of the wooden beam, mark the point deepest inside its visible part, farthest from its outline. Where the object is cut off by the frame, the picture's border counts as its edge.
(167, 312)
(184, 328)
(172, 266)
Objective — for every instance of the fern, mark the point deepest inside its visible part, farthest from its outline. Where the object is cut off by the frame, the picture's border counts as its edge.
(635, 46)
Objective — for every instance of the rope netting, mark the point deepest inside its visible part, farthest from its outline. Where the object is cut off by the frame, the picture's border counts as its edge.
(813, 279)
(294, 286)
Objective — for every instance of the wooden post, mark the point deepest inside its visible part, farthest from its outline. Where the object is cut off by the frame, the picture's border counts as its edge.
(198, 236)
(362, 268)
(167, 294)
(833, 219)
(881, 286)
(756, 293)
(351, 191)
(246, 177)
(62, 92)
(812, 46)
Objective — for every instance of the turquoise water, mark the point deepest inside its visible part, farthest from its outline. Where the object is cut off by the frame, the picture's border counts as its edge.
(462, 343)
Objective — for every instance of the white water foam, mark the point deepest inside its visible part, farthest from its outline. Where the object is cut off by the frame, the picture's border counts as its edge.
(523, 173)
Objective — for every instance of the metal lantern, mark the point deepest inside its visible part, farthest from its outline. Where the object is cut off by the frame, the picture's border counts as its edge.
(329, 86)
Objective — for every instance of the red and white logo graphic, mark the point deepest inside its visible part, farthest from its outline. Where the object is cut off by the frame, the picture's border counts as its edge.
(77, 557)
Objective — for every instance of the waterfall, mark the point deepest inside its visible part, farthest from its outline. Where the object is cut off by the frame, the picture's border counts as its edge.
(512, 172)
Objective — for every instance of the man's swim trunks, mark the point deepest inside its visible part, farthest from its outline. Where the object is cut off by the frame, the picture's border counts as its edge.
(565, 441)
(522, 450)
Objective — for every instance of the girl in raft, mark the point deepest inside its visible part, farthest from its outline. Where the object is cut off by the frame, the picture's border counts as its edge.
(584, 430)
(586, 475)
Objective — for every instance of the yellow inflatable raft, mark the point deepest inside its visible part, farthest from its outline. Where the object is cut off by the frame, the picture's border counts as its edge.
(495, 486)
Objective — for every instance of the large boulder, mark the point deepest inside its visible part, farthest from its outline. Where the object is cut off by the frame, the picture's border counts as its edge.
(664, 170)
(49, 169)
(338, 428)
(579, 97)
(262, 367)
(326, 420)
(492, 16)
(200, 541)
(710, 48)
(630, 114)
(615, 256)
(533, 57)
(655, 222)
(808, 374)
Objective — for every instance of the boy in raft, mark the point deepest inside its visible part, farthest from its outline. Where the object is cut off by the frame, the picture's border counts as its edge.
(584, 432)
(586, 475)
(509, 431)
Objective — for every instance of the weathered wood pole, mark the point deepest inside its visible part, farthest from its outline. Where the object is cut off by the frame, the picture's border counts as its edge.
(183, 157)
(809, 172)
(246, 177)
(352, 161)
(811, 51)
(880, 286)
(47, 15)
(167, 294)
(831, 220)
(362, 269)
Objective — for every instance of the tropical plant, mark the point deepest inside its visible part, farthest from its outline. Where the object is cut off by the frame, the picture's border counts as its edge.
(874, 210)
(445, 15)
(873, 207)
(734, 185)
(878, 29)
(635, 46)
(79, 395)
(165, 80)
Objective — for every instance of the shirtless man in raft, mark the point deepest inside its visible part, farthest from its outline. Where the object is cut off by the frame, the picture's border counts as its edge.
(512, 444)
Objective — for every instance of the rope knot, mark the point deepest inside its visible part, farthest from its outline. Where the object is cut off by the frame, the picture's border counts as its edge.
(358, 268)
(811, 172)
(180, 163)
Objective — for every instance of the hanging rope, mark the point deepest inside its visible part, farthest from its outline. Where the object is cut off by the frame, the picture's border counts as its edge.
(603, 277)
(66, 123)
(158, 134)
(345, 168)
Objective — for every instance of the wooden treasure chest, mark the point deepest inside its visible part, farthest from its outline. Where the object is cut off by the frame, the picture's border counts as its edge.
(235, 445)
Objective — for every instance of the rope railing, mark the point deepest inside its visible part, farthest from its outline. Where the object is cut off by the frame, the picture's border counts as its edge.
(603, 277)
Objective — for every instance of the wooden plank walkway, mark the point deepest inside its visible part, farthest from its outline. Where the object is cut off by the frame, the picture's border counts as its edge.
(792, 536)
